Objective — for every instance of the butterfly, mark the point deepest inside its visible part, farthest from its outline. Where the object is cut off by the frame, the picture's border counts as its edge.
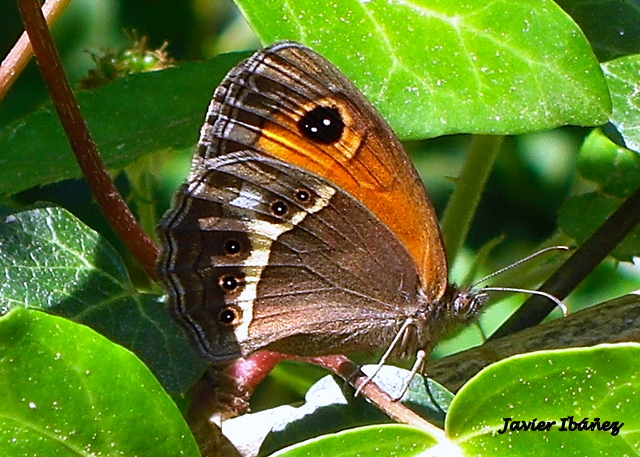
(303, 227)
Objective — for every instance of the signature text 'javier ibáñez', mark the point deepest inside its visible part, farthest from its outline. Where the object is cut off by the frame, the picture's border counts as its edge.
(567, 424)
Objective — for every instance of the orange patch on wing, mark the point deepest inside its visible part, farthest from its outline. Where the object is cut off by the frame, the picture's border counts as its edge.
(365, 163)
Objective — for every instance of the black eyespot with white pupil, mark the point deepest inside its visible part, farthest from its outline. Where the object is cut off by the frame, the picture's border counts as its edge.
(232, 246)
(228, 316)
(322, 124)
(229, 283)
(279, 208)
(302, 196)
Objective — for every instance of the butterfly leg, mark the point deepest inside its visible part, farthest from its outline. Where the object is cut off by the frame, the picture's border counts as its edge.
(418, 367)
(394, 343)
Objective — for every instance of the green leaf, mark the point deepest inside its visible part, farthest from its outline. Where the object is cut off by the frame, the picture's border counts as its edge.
(616, 171)
(393, 440)
(599, 382)
(435, 68)
(623, 78)
(51, 261)
(67, 391)
(128, 118)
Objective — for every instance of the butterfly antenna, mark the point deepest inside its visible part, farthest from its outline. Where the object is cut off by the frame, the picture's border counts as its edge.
(558, 302)
(521, 261)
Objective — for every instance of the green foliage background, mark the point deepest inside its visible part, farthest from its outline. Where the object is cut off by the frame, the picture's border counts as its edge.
(532, 177)
(534, 174)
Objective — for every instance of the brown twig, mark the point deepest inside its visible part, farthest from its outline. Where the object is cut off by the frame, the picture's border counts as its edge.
(17, 59)
(351, 373)
(577, 267)
(107, 196)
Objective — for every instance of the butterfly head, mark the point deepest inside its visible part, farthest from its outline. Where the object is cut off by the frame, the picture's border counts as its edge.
(463, 305)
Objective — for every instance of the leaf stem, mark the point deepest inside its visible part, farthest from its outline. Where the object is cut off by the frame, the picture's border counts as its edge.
(466, 196)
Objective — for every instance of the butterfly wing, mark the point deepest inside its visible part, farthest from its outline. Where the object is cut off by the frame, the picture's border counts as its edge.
(303, 226)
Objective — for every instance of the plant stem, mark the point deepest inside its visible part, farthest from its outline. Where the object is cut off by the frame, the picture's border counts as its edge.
(109, 199)
(466, 196)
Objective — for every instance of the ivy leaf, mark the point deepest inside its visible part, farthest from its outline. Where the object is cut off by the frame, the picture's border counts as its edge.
(67, 391)
(71, 271)
(435, 68)
(624, 84)
(391, 439)
(598, 382)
